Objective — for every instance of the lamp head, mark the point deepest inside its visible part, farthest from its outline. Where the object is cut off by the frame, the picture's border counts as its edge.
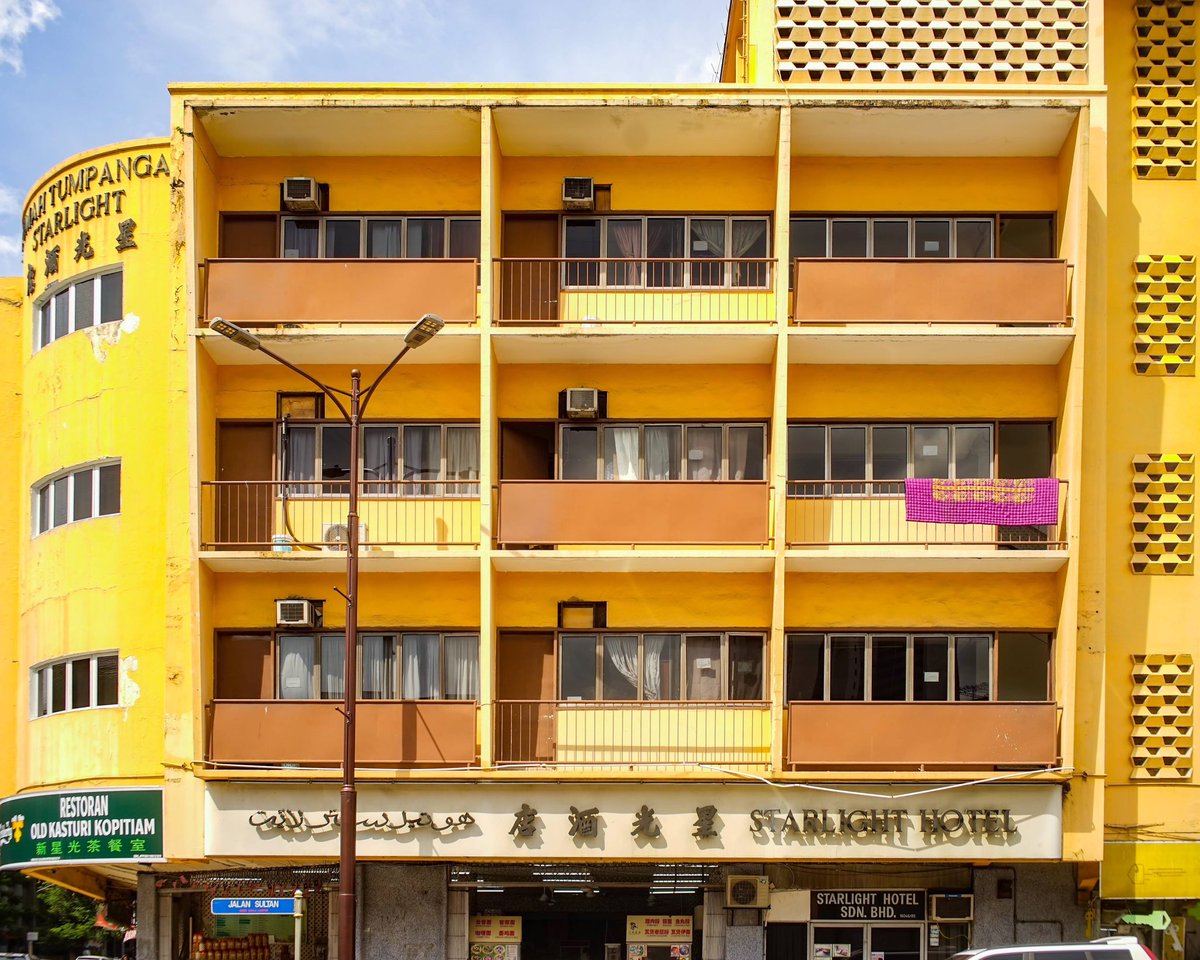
(239, 335)
(424, 329)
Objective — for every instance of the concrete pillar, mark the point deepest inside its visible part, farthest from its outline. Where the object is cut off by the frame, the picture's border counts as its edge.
(402, 911)
(147, 917)
(1042, 909)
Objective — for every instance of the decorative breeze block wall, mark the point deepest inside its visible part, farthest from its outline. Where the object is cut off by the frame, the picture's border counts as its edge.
(1164, 492)
(1162, 716)
(1164, 340)
(958, 41)
(1164, 91)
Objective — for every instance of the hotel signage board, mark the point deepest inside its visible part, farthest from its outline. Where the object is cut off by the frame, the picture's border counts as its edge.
(868, 905)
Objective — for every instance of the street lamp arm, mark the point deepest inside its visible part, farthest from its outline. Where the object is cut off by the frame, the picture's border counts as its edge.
(366, 394)
(330, 392)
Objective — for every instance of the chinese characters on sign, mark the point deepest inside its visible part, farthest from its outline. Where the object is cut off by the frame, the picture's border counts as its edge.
(585, 823)
(645, 825)
(495, 930)
(83, 247)
(658, 929)
(524, 822)
(125, 239)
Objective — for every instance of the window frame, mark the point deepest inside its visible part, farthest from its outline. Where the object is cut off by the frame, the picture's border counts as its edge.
(870, 219)
(43, 672)
(641, 425)
(49, 301)
(364, 219)
(691, 269)
(45, 499)
(725, 637)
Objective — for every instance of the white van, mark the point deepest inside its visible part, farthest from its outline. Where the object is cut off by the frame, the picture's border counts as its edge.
(1107, 948)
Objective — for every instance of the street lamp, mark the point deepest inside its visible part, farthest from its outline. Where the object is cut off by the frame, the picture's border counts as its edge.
(422, 332)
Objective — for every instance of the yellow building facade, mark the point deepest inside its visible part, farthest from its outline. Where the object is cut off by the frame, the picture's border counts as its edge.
(653, 619)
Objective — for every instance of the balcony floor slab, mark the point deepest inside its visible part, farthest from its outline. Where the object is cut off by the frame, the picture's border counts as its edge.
(923, 560)
(345, 344)
(633, 561)
(678, 343)
(451, 559)
(886, 344)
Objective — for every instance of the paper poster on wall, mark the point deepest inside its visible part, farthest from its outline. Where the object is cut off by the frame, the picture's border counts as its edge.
(822, 951)
(841, 951)
(877, 955)
(636, 951)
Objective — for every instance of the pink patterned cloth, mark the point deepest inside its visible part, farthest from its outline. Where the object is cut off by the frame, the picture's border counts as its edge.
(1005, 503)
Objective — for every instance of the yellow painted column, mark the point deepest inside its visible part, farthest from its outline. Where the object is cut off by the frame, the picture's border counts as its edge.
(11, 352)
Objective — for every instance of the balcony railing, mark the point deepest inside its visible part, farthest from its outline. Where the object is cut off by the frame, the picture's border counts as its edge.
(633, 512)
(897, 735)
(608, 733)
(282, 516)
(635, 290)
(389, 733)
(828, 513)
(995, 292)
(275, 291)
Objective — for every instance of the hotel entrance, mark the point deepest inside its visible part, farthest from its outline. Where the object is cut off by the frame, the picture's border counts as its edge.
(867, 941)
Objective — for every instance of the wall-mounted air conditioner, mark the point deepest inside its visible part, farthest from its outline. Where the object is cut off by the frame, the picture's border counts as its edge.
(951, 906)
(579, 193)
(747, 891)
(336, 536)
(583, 403)
(295, 613)
(301, 194)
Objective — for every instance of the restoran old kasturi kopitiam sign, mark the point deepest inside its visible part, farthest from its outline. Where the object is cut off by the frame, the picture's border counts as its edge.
(81, 826)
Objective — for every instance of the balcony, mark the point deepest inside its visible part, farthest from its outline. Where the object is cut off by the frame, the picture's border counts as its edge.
(602, 517)
(860, 526)
(892, 736)
(930, 311)
(402, 524)
(624, 734)
(626, 306)
(308, 733)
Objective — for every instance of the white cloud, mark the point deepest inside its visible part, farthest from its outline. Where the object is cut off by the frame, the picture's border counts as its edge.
(9, 203)
(269, 39)
(10, 256)
(17, 18)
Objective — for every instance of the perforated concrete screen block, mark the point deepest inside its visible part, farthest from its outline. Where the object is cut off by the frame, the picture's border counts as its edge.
(1163, 700)
(1164, 340)
(1164, 493)
(1164, 91)
(922, 41)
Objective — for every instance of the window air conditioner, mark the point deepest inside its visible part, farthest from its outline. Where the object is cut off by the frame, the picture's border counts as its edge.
(336, 536)
(583, 403)
(753, 892)
(301, 194)
(295, 613)
(579, 193)
(952, 906)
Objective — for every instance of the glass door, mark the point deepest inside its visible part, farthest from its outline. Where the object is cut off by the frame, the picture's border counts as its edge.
(895, 942)
(840, 942)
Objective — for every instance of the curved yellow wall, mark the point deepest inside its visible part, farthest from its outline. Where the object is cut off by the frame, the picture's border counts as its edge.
(99, 393)
(11, 300)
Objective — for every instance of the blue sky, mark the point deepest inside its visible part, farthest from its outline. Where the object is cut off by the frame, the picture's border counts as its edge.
(76, 74)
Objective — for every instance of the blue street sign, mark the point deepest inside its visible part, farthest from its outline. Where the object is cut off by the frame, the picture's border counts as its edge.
(238, 906)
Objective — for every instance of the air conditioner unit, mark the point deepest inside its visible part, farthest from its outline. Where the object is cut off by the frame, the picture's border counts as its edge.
(583, 403)
(579, 193)
(336, 536)
(753, 892)
(295, 613)
(301, 194)
(952, 906)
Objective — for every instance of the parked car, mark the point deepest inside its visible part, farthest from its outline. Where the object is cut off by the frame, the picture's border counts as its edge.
(1106, 948)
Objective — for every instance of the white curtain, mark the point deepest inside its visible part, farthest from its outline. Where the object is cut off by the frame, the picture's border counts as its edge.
(621, 453)
(420, 671)
(300, 458)
(379, 460)
(296, 661)
(622, 653)
(333, 667)
(708, 242)
(664, 452)
(661, 650)
(745, 453)
(625, 242)
(422, 460)
(383, 238)
(462, 668)
(462, 460)
(378, 667)
(750, 240)
(426, 238)
(704, 453)
(664, 238)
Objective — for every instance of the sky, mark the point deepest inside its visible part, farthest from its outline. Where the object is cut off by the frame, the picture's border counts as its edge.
(78, 74)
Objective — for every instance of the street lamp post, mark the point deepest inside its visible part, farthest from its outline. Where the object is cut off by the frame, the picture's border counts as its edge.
(352, 410)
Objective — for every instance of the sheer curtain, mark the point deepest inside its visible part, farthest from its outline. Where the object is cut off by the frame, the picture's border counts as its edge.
(745, 453)
(661, 669)
(622, 653)
(625, 242)
(708, 242)
(462, 460)
(333, 667)
(422, 460)
(379, 460)
(664, 238)
(621, 453)
(378, 667)
(703, 668)
(420, 674)
(296, 662)
(664, 452)
(704, 453)
(462, 668)
(300, 458)
(383, 238)
(750, 240)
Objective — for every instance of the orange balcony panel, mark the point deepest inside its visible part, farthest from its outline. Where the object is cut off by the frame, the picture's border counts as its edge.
(266, 292)
(1032, 292)
(900, 735)
(633, 512)
(411, 733)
